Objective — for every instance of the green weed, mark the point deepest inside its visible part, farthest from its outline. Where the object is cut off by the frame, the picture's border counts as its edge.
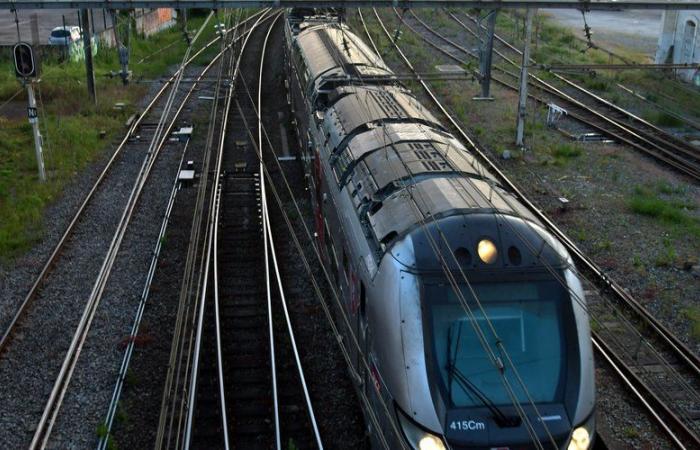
(70, 125)
(630, 432)
(567, 151)
(671, 211)
(102, 431)
(692, 313)
(663, 119)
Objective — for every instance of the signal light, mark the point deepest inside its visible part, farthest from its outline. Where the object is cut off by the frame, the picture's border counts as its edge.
(25, 64)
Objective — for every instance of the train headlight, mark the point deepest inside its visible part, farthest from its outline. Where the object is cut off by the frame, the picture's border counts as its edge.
(487, 251)
(418, 437)
(430, 442)
(580, 439)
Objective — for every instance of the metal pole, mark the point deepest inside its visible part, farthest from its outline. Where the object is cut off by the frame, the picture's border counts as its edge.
(522, 100)
(486, 55)
(34, 120)
(19, 37)
(64, 48)
(87, 46)
(34, 25)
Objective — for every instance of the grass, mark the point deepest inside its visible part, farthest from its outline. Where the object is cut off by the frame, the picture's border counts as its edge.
(565, 152)
(654, 202)
(692, 313)
(70, 124)
(667, 257)
(662, 119)
(630, 432)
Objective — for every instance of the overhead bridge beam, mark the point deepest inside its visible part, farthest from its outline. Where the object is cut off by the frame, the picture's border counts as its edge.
(483, 4)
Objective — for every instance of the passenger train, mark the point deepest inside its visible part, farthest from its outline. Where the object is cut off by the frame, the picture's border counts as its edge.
(468, 313)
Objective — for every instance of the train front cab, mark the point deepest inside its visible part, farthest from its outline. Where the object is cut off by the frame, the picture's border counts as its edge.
(446, 391)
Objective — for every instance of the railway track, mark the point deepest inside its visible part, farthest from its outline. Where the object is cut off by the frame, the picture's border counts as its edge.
(660, 369)
(139, 133)
(610, 121)
(245, 388)
(620, 115)
(175, 103)
(39, 348)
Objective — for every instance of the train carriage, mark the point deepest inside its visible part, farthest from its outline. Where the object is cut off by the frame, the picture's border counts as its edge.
(471, 322)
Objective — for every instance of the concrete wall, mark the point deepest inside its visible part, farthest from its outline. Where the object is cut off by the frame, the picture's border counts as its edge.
(679, 42)
(148, 22)
(153, 21)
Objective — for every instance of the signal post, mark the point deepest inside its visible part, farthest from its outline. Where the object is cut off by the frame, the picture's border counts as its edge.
(26, 69)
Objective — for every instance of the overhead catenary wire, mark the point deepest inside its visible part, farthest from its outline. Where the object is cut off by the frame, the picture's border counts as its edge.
(336, 297)
(625, 320)
(50, 412)
(455, 286)
(575, 297)
(495, 361)
(269, 236)
(324, 269)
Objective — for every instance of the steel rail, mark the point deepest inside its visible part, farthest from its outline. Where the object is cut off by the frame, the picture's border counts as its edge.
(266, 244)
(211, 250)
(31, 295)
(181, 347)
(647, 397)
(691, 359)
(635, 137)
(633, 66)
(324, 305)
(530, 206)
(269, 236)
(666, 139)
(212, 233)
(50, 413)
(639, 96)
(329, 316)
(128, 352)
(680, 166)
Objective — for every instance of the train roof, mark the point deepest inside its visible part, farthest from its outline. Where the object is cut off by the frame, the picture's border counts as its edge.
(354, 108)
(401, 168)
(332, 49)
(438, 197)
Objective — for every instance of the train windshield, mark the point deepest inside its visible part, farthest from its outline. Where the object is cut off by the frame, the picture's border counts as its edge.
(526, 317)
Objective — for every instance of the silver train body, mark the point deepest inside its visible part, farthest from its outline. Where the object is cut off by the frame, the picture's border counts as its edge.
(430, 254)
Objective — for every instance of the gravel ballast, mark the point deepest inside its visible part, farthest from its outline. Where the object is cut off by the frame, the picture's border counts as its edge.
(87, 400)
(33, 359)
(643, 254)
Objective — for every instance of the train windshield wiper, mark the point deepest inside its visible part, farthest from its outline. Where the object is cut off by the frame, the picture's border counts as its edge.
(469, 388)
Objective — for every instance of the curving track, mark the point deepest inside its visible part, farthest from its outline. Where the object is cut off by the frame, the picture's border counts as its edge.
(589, 109)
(243, 385)
(39, 348)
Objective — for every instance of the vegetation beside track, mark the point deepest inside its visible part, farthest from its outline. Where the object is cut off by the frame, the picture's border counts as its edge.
(652, 254)
(75, 131)
(554, 44)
